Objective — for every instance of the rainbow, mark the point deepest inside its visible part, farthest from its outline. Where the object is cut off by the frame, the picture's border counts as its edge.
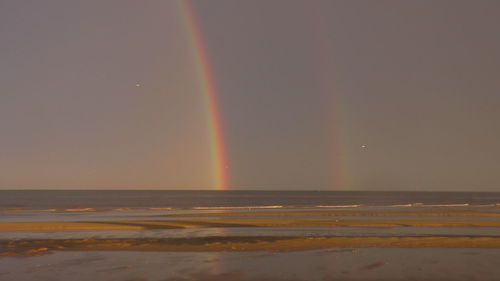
(207, 88)
(328, 85)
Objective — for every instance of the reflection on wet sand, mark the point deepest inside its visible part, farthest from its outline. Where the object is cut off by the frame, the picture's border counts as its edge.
(228, 243)
(367, 264)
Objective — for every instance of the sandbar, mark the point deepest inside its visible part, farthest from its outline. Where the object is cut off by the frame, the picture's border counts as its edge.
(234, 222)
(35, 247)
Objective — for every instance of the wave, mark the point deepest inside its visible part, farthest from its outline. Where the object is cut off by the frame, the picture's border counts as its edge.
(338, 206)
(237, 207)
(14, 210)
(256, 207)
(407, 205)
(80, 210)
(448, 205)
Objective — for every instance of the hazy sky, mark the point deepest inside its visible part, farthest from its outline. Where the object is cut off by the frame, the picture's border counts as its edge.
(373, 95)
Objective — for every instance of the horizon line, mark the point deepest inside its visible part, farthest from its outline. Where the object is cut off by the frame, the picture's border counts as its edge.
(264, 190)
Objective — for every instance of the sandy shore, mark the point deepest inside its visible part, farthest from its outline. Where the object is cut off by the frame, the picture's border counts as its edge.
(249, 245)
(34, 247)
(234, 222)
(360, 264)
(262, 219)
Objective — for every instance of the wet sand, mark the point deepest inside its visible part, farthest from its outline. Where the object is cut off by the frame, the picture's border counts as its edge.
(360, 264)
(240, 222)
(245, 243)
(263, 219)
(36, 247)
(231, 245)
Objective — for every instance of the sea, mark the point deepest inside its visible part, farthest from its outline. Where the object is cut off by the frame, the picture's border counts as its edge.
(123, 200)
(85, 205)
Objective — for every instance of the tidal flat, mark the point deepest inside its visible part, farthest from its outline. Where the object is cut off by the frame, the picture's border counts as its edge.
(332, 264)
(251, 244)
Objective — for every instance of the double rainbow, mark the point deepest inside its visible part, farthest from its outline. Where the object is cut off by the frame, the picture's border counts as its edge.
(208, 90)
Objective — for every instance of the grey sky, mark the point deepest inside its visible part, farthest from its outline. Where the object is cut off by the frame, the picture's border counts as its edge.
(303, 86)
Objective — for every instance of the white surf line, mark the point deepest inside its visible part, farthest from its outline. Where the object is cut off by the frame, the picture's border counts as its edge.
(239, 207)
(447, 205)
(337, 206)
(80, 210)
(27, 210)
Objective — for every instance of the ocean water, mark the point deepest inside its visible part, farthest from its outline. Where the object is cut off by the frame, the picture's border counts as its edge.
(92, 200)
(78, 206)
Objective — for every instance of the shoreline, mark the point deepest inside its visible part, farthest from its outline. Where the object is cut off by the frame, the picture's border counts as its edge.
(234, 222)
(330, 220)
(356, 209)
(210, 244)
(337, 213)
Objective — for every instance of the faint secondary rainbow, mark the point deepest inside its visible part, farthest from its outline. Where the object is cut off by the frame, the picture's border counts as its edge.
(207, 87)
(328, 86)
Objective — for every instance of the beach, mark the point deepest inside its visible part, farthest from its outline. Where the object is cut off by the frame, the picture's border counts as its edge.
(329, 220)
(426, 264)
(254, 245)
(232, 140)
(239, 241)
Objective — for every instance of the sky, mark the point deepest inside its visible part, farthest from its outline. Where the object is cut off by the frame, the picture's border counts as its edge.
(309, 95)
